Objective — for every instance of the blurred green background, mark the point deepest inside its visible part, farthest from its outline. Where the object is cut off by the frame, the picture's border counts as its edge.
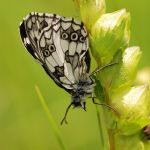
(23, 123)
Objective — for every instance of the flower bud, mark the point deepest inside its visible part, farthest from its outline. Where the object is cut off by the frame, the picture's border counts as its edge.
(146, 131)
(90, 11)
(131, 58)
(119, 77)
(133, 109)
(125, 76)
(143, 76)
(110, 33)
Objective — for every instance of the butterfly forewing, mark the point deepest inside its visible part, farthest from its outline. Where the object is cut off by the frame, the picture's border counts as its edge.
(59, 44)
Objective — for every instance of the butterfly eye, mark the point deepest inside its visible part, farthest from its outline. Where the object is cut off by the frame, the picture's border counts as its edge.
(46, 53)
(82, 39)
(52, 48)
(64, 36)
(74, 36)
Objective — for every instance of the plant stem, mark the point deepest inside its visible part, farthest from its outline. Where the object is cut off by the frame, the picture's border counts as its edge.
(50, 119)
(111, 140)
(104, 144)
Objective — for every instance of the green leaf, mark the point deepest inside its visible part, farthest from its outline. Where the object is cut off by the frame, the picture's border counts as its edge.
(99, 91)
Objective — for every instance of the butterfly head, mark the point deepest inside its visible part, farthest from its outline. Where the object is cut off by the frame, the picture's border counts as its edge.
(84, 89)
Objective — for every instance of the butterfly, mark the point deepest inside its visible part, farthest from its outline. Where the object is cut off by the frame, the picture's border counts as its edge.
(61, 46)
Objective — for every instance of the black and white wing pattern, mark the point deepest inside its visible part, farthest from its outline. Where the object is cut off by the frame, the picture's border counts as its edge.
(59, 44)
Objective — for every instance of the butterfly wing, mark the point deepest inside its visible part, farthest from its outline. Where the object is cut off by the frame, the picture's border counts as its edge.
(59, 44)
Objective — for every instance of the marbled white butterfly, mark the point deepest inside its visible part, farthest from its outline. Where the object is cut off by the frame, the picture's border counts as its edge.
(61, 46)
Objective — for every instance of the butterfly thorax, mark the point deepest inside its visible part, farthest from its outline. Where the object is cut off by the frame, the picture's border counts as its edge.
(83, 89)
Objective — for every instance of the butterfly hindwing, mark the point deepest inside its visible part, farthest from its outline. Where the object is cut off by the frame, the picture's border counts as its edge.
(59, 44)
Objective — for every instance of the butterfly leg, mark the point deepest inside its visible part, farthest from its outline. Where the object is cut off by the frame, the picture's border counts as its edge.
(102, 68)
(84, 106)
(65, 116)
(103, 104)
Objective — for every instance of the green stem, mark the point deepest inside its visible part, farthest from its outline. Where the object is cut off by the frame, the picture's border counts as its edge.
(50, 119)
(111, 140)
(104, 144)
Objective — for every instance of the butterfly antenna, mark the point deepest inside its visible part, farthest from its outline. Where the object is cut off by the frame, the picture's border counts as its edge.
(65, 116)
(103, 104)
(102, 68)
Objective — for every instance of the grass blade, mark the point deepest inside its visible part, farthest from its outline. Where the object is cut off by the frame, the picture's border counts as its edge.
(50, 119)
